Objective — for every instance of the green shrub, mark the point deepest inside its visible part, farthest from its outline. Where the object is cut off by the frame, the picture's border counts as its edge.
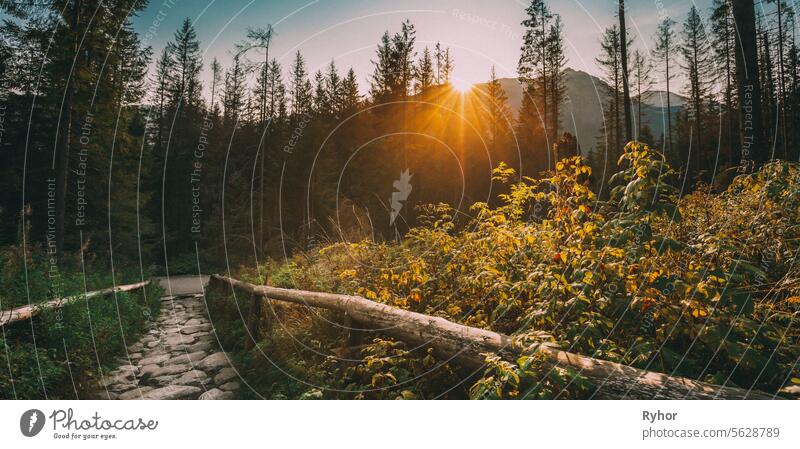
(704, 286)
(73, 344)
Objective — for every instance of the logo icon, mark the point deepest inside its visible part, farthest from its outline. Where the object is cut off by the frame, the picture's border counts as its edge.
(403, 189)
(31, 422)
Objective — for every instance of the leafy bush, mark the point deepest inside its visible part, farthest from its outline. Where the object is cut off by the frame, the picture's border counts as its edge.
(702, 286)
(60, 353)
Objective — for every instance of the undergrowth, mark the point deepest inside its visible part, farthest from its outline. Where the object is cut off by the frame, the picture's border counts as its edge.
(61, 353)
(703, 286)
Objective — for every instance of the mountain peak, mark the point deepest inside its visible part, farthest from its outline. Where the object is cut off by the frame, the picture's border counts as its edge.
(582, 112)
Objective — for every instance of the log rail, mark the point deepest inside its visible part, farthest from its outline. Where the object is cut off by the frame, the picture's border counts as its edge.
(466, 345)
(27, 312)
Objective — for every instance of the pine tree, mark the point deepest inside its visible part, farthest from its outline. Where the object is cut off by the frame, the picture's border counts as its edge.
(403, 46)
(610, 62)
(664, 53)
(767, 81)
(393, 76)
(161, 81)
(793, 87)
(533, 62)
(626, 93)
(351, 98)
(498, 116)
(556, 61)
(448, 66)
(234, 100)
(424, 72)
(751, 133)
(384, 75)
(723, 42)
(642, 84)
(261, 38)
(439, 57)
(276, 92)
(781, 77)
(541, 66)
(185, 86)
(333, 90)
(697, 62)
(300, 88)
(321, 101)
(216, 79)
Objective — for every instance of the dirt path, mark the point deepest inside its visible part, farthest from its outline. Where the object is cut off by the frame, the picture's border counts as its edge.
(177, 358)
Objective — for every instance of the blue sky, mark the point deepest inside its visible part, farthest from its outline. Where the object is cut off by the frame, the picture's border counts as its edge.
(480, 33)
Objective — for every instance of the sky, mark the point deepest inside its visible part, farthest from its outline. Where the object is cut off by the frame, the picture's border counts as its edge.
(479, 33)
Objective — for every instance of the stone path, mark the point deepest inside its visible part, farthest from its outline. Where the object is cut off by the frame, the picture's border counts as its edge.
(177, 358)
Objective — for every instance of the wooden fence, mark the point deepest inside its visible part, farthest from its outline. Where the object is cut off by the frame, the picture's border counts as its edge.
(466, 345)
(23, 313)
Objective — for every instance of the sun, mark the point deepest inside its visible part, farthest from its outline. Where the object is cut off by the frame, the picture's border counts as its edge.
(461, 86)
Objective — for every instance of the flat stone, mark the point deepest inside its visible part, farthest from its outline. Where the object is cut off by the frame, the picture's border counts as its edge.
(157, 371)
(194, 377)
(136, 393)
(182, 359)
(174, 392)
(154, 360)
(214, 362)
(225, 375)
(200, 345)
(230, 386)
(153, 344)
(216, 394)
(163, 381)
(188, 330)
(118, 379)
(202, 335)
(195, 322)
(178, 340)
(125, 371)
(121, 388)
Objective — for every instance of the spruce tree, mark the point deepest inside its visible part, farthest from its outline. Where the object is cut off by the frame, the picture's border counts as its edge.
(698, 65)
(424, 72)
(664, 54)
(642, 84)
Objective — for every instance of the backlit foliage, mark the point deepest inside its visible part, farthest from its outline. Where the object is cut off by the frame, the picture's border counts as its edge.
(703, 286)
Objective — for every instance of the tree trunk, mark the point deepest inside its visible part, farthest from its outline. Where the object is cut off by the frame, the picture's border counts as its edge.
(729, 89)
(781, 86)
(64, 138)
(751, 132)
(698, 104)
(467, 345)
(626, 92)
(669, 106)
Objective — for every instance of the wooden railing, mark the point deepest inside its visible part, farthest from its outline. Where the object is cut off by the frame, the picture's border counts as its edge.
(466, 345)
(23, 313)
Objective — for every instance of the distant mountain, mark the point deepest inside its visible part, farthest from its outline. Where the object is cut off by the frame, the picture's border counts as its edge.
(582, 112)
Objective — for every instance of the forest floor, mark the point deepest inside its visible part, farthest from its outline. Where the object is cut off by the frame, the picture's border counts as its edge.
(177, 358)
